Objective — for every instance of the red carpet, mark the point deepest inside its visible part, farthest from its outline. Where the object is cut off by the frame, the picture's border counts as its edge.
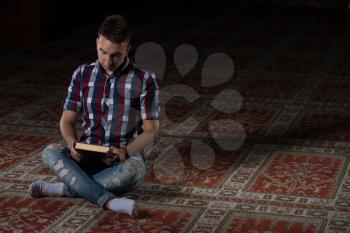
(288, 171)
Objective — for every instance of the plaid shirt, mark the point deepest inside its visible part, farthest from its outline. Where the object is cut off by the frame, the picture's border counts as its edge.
(113, 106)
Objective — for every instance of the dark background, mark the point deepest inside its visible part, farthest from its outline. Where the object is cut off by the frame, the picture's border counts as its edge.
(32, 23)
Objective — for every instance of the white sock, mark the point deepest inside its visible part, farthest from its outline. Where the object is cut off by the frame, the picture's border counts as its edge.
(122, 205)
(45, 189)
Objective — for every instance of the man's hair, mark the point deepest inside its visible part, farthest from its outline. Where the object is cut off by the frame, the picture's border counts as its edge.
(115, 28)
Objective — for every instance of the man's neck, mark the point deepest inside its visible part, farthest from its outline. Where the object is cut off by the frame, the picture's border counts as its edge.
(116, 70)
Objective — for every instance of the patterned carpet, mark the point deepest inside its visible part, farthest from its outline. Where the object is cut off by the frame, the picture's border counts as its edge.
(262, 147)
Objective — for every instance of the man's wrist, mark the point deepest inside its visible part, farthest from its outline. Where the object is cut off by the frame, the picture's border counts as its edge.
(71, 142)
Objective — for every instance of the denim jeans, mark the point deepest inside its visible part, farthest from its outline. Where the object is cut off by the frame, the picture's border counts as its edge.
(92, 179)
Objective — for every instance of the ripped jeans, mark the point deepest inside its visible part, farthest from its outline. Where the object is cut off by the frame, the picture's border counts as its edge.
(92, 179)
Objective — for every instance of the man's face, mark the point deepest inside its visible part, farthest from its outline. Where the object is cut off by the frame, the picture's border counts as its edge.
(111, 55)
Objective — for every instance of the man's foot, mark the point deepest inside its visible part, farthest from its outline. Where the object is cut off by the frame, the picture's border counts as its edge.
(45, 189)
(122, 205)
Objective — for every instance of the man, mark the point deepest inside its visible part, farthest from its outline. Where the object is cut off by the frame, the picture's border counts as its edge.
(119, 106)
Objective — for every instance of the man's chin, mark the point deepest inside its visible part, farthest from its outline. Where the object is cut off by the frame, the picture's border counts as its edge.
(109, 70)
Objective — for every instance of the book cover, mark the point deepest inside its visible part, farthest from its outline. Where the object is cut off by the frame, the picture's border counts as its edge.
(91, 148)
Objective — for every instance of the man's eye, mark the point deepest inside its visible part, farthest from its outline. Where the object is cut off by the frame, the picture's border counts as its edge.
(116, 55)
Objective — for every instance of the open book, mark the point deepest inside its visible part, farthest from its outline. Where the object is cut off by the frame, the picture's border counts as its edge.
(91, 148)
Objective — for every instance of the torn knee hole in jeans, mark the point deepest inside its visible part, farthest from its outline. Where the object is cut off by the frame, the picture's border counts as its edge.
(58, 165)
(55, 146)
(59, 168)
(72, 181)
(63, 173)
(133, 168)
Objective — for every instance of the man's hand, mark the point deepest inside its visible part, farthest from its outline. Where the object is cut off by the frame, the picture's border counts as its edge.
(76, 155)
(115, 154)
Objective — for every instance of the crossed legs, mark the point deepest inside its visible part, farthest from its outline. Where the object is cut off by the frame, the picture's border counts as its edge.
(99, 188)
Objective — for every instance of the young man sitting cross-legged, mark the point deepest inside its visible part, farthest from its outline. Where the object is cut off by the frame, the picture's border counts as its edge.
(119, 106)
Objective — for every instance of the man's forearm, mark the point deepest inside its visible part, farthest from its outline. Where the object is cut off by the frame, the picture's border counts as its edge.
(68, 133)
(141, 142)
(67, 127)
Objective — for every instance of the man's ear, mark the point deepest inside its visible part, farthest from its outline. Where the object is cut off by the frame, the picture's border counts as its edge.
(97, 40)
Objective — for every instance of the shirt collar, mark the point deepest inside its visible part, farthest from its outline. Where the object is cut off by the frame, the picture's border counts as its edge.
(119, 70)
